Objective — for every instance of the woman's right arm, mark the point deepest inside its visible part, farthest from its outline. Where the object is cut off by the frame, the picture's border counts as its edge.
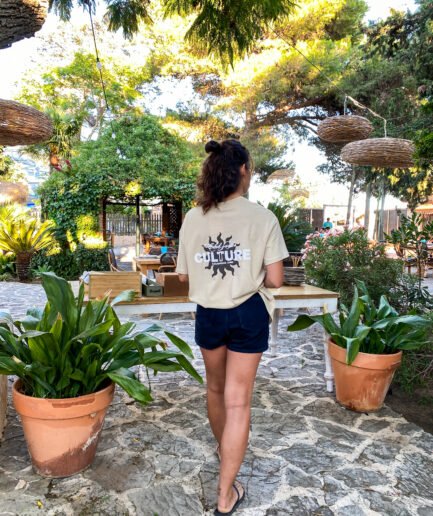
(274, 275)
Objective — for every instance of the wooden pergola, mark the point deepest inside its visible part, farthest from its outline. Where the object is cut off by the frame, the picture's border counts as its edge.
(171, 215)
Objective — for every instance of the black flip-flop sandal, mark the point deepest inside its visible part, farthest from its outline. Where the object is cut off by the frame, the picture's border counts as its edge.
(235, 506)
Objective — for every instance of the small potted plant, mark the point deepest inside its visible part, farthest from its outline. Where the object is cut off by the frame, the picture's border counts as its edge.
(67, 358)
(366, 347)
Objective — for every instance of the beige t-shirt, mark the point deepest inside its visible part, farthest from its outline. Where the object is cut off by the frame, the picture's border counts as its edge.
(224, 252)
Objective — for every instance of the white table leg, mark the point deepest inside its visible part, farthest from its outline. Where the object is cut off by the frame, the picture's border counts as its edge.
(274, 331)
(329, 374)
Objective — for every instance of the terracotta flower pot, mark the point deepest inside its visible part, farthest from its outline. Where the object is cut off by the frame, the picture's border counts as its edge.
(62, 434)
(362, 386)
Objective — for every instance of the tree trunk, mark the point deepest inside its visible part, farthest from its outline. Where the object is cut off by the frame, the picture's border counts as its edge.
(20, 19)
(22, 263)
(352, 188)
(367, 207)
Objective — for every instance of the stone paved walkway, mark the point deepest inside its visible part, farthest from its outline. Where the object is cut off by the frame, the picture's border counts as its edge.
(307, 455)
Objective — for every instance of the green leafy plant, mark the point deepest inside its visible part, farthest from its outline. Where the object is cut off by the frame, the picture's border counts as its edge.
(7, 264)
(294, 230)
(336, 262)
(72, 348)
(411, 238)
(369, 328)
(37, 273)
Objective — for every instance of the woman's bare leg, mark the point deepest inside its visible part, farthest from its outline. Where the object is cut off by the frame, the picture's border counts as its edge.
(241, 372)
(215, 364)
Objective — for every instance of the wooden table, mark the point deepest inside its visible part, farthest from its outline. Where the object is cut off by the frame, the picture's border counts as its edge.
(304, 296)
(146, 264)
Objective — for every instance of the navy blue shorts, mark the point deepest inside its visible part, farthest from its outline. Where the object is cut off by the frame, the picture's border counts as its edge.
(244, 329)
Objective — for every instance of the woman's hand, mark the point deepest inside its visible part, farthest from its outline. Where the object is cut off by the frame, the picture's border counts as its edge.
(183, 278)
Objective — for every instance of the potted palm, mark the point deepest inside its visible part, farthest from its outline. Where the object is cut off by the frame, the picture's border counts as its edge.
(366, 347)
(68, 357)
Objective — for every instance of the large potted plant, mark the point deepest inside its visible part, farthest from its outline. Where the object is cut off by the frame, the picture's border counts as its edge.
(67, 358)
(366, 347)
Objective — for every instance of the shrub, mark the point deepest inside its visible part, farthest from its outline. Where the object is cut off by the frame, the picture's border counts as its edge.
(71, 264)
(336, 261)
(7, 265)
(92, 259)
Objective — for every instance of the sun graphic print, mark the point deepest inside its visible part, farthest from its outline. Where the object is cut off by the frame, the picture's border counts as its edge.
(222, 255)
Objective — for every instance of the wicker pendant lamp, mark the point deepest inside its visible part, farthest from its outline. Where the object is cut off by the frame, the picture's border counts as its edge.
(344, 129)
(380, 153)
(281, 175)
(13, 192)
(22, 125)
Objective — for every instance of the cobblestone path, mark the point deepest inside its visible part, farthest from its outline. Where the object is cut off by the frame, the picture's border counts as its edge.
(307, 455)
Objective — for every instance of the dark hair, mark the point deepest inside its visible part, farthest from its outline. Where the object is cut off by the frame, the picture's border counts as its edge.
(220, 175)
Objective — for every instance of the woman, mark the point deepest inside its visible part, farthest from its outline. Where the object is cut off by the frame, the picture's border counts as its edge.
(230, 250)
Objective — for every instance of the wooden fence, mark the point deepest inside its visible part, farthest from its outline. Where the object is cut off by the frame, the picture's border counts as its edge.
(122, 225)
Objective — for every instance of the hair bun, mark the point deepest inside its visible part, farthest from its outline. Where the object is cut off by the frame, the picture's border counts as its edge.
(213, 146)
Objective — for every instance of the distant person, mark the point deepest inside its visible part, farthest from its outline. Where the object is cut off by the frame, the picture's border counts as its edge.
(328, 224)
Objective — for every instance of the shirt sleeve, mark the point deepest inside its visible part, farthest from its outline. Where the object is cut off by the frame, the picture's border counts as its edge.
(276, 249)
(181, 265)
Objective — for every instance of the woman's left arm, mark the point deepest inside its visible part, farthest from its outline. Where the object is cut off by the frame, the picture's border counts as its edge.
(274, 275)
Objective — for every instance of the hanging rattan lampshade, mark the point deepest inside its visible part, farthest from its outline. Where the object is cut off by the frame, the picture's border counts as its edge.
(282, 174)
(344, 129)
(22, 125)
(13, 192)
(380, 152)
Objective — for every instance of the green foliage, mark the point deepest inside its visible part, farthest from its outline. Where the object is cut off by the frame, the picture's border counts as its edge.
(8, 168)
(7, 265)
(227, 30)
(71, 264)
(368, 328)
(337, 261)
(70, 348)
(294, 230)
(91, 259)
(409, 296)
(143, 158)
(231, 28)
(38, 271)
(21, 235)
(393, 61)
(413, 233)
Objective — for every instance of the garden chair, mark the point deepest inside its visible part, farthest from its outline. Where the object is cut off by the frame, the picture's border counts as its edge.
(112, 260)
(168, 262)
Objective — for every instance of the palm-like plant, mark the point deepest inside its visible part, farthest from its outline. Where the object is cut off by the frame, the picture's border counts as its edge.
(294, 230)
(73, 348)
(24, 237)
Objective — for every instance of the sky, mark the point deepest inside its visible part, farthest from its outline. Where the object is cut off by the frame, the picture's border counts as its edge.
(15, 60)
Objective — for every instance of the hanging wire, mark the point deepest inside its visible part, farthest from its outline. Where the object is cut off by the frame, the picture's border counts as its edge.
(98, 62)
(99, 67)
(332, 82)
